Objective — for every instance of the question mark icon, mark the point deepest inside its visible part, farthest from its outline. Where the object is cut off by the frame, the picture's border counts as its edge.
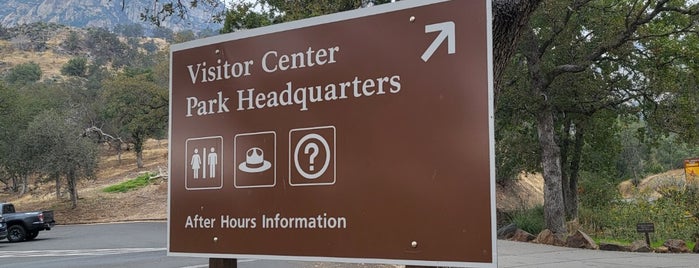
(314, 148)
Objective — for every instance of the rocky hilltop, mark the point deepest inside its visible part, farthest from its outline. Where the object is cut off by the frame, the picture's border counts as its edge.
(98, 13)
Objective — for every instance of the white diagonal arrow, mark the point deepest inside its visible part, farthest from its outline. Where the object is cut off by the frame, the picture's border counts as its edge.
(447, 31)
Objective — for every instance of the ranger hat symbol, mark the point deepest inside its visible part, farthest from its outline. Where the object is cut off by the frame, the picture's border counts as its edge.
(254, 161)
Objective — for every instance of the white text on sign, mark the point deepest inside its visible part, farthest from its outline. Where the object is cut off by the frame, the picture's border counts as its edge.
(285, 95)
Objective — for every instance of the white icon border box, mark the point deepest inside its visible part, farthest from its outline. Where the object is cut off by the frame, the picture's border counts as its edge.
(186, 164)
(334, 157)
(235, 160)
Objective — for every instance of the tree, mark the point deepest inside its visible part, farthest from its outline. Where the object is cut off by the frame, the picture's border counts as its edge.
(137, 107)
(24, 73)
(75, 67)
(72, 43)
(581, 57)
(58, 150)
(105, 47)
(12, 163)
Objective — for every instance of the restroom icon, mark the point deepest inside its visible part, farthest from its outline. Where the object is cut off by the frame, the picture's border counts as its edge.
(204, 163)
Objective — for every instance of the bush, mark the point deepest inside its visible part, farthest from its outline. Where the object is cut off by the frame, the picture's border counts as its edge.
(75, 67)
(530, 220)
(674, 216)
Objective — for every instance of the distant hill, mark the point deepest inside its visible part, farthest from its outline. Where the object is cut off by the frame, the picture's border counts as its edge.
(99, 13)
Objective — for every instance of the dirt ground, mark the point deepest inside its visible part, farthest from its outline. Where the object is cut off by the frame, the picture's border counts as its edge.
(96, 206)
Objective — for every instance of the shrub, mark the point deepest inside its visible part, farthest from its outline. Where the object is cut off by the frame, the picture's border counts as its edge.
(530, 220)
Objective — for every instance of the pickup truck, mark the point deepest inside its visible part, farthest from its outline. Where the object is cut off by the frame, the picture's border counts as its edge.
(3, 228)
(25, 225)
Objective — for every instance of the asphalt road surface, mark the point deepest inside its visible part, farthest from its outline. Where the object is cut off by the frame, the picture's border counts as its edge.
(133, 245)
(144, 245)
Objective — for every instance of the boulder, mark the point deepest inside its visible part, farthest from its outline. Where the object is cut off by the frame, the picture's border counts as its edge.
(662, 249)
(640, 246)
(581, 240)
(507, 231)
(676, 246)
(613, 247)
(522, 236)
(549, 238)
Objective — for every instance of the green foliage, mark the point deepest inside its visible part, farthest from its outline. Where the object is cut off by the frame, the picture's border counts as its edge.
(137, 108)
(75, 67)
(248, 15)
(597, 192)
(531, 220)
(133, 184)
(24, 73)
(644, 153)
(105, 46)
(243, 16)
(675, 215)
(184, 36)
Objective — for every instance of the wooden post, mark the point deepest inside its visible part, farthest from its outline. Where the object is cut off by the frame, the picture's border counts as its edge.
(223, 263)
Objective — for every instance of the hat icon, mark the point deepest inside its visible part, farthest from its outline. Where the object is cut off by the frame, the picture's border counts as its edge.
(254, 161)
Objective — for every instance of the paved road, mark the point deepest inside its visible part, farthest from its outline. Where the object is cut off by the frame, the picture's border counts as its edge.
(143, 245)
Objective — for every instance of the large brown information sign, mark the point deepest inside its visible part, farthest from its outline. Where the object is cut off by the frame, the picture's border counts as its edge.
(363, 136)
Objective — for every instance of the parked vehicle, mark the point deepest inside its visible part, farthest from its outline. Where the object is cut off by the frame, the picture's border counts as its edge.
(3, 228)
(25, 225)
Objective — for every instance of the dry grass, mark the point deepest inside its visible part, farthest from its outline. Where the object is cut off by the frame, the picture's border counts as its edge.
(95, 206)
(49, 61)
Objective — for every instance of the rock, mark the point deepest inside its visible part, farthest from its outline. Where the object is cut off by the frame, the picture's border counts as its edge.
(640, 246)
(507, 232)
(676, 246)
(613, 247)
(581, 240)
(696, 247)
(522, 236)
(549, 238)
(662, 249)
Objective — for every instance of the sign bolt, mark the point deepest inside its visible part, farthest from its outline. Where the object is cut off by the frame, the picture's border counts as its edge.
(413, 244)
(412, 18)
(215, 239)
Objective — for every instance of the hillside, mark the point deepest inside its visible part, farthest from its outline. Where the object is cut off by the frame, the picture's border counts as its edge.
(99, 13)
(96, 206)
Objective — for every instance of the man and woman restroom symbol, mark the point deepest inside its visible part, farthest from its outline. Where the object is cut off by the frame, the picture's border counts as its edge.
(210, 159)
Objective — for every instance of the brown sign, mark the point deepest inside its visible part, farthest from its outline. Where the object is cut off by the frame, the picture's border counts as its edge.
(363, 136)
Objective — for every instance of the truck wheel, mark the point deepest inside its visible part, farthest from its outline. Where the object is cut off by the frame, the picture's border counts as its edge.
(32, 235)
(16, 233)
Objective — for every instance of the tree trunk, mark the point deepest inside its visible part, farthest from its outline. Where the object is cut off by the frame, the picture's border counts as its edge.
(138, 147)
(565, 179)
(23, 185)
(72, 187)
(139, 159)
(554, 211)
(57, 178)
(509, 17)
(118, 148)
(572, 201)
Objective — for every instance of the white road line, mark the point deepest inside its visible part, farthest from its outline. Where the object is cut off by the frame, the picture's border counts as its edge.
(74, 252)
